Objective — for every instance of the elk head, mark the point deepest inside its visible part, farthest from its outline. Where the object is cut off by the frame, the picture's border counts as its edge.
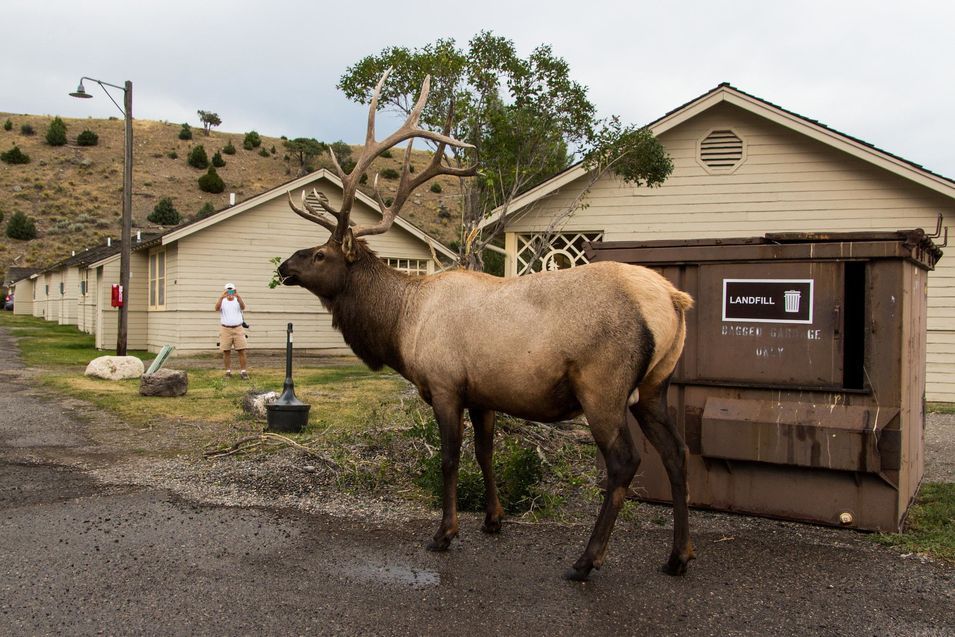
(324, 269)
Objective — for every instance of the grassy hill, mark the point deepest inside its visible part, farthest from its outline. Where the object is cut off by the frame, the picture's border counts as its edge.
(74, 193)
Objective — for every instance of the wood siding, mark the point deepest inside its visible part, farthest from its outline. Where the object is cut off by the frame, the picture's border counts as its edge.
(23, 297)
(787, 183)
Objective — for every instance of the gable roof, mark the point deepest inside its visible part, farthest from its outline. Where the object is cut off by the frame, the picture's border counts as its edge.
(185, 230)
(727, 93)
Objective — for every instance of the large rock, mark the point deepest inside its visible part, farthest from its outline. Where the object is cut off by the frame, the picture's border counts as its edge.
(254, 403)
(115, 367)
(164, 382)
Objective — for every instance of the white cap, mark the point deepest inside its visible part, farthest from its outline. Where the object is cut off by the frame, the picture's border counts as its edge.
(229, 286)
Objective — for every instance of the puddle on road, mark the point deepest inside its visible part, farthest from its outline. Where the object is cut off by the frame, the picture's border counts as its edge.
(394, 574)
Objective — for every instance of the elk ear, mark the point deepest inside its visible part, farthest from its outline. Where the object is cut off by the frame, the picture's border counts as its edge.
(348, 246)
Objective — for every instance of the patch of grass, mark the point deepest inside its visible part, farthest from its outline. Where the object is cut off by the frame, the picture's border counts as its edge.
(940, 408)
(46, 344)
(930, 527)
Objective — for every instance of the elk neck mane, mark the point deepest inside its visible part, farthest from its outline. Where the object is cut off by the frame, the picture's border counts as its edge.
(369, 309)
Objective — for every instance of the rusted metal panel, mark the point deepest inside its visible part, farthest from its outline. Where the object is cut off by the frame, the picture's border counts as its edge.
(829, 436)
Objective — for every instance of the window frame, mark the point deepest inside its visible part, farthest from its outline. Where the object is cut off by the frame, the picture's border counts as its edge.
(156, 283)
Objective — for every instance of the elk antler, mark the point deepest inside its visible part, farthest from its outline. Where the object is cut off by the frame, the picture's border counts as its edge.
(372, 149)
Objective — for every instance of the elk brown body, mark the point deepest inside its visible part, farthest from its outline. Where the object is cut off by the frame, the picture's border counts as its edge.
(598, 339)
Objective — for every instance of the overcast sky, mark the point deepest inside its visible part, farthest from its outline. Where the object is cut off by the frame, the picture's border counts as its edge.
(879, 71)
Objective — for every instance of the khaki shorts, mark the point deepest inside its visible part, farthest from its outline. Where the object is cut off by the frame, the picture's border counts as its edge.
(231, 336)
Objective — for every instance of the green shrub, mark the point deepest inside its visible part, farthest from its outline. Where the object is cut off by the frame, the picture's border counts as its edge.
(211, 182)
(87, 138)
(435, 187)
(388, 200)
(198, 158)
(172, 155)
(15, 156)
(56, 132)
(390, 173)
(206, 210)
(386, 154)
(165, 213)
(363, 179)
(185, 133)
(2, 215)
(217, 160)
(27, 130)
(251, 141)
(263, 152)
(229, 148)
(8, 125)
(21, 227)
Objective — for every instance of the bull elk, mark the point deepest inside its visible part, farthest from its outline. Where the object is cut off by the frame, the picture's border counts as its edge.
(598, 339)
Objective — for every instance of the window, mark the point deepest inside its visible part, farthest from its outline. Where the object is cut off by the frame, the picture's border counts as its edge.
(61, 288)
(418, 267)
(157, 279)
(85, 283)
(721, 151)
(563, 250)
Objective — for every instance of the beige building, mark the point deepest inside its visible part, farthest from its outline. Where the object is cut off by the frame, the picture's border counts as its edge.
(744, 167)
(176, 278)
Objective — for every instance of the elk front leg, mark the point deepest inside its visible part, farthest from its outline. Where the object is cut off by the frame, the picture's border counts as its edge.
(483, 423)
(622, 459)
(450, 425)
(654, 418)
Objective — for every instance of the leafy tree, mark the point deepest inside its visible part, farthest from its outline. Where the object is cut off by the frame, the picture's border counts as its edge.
(217, 160)
(197, 157)
(229, 149)
(342, 152)
(206, 210)
(208, 119)
(185, 133)
(525, 117)
(15, 156)
(8, 125)
(21, 227)
(211, 182)
(251, 141)
(56, 132)
(87, 138)
(304, 149)
(165, 213)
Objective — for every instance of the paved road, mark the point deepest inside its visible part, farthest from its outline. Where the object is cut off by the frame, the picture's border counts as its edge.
(81, 557)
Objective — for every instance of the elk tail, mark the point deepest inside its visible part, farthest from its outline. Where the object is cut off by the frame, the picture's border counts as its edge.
(681, 300)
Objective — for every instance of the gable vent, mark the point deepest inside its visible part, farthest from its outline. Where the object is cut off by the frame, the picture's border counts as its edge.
(721, 150)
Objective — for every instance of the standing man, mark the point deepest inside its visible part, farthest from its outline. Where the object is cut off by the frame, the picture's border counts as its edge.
(230, 306)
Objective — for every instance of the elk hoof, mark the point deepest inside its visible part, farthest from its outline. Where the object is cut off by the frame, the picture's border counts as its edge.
(675, 566)
(575, 574)
(439, 544)
(491, 526)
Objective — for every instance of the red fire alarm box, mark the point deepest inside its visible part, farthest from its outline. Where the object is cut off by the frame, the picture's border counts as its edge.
(116, 296)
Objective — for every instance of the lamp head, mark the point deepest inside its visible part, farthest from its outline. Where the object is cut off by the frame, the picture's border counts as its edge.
(81, 92)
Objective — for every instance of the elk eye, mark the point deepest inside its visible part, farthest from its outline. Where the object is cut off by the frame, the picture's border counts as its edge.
(319, 256)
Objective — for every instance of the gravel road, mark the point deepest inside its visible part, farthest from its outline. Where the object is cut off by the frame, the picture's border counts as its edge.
(95, 538)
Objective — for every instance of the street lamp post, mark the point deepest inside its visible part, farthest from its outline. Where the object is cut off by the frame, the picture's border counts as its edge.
(125, 240)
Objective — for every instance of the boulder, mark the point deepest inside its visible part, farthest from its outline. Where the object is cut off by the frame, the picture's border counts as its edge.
(254, 403)
(115, 367)
(164, 382)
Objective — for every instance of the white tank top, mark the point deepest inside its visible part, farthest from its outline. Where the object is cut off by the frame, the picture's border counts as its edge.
(230, 313)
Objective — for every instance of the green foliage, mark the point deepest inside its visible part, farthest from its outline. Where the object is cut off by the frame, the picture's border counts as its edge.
(342, 152)
(251, 141)
(387, 154)
(217, 160)
(165, 213)
(632, 153)
(21, 227)
(263, 152)
(2, 216)
(436, 187)
(930, 527)
(390, 173)
(363, 179)
(27, 130)
(87, 138)
(208, 119)
(8, 125)
(185, 133)
(211, 182)
(56, 132)
(15, 156)
(304, 149)
(206, 210)
(229, 149)
(197, 157)
(172, 154)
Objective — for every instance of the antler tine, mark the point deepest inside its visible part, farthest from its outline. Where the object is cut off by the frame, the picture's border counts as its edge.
(373, 108)
(310, 216)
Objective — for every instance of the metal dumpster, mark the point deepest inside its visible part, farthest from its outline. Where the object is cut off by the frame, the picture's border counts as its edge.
(800, 393)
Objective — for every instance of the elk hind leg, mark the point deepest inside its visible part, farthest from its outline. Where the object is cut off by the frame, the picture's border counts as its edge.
(653, 415)
(622, 459)
(450, 425)
(483, 422)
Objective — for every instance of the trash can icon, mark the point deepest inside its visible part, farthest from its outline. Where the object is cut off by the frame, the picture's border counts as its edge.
(792, 300)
